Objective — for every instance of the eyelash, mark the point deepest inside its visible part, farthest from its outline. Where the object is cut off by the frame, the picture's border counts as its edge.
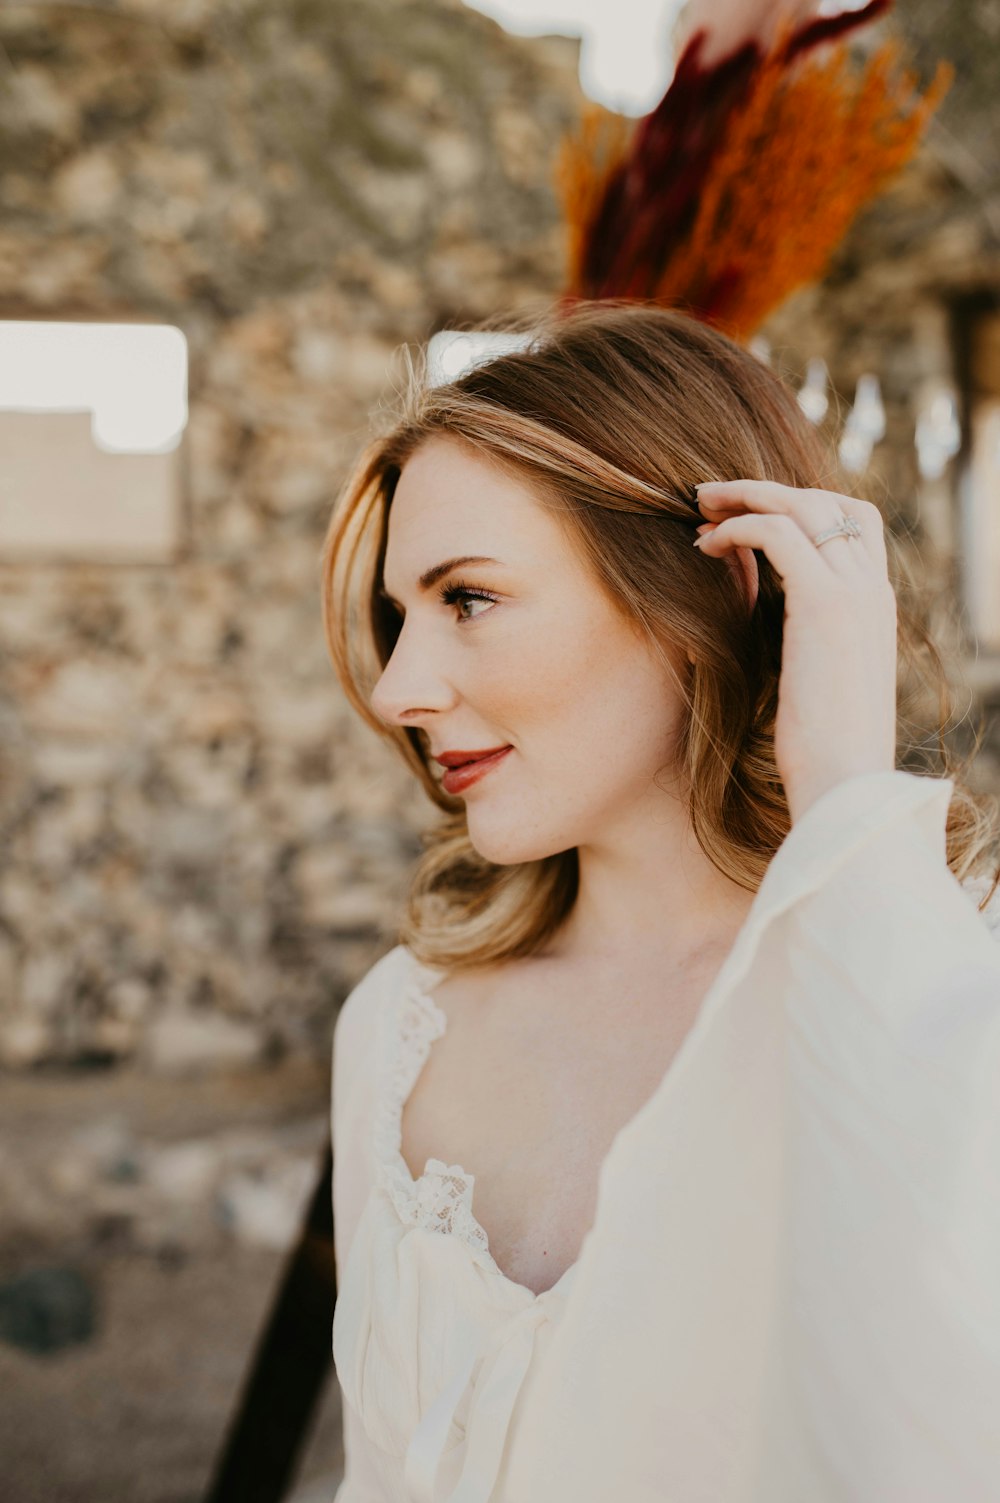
(452, 593)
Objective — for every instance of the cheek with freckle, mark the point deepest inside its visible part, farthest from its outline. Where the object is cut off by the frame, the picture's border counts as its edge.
(593, 716)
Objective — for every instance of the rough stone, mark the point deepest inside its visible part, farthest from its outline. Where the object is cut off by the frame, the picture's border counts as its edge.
(197, 1042)
(267, 1208)
(47, 1309)
(24, 1041)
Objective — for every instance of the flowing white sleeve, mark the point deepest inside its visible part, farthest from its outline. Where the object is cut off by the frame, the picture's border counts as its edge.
(885, 1383)
(355, 1042)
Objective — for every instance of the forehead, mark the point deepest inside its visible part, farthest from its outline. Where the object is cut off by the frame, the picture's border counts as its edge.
(450, 496)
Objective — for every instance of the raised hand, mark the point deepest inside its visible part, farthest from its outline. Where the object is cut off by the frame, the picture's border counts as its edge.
(837, 691)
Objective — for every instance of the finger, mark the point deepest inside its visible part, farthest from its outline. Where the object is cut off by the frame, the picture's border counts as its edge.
(814, 510)
(794, 557)
(771, 495)
(744, 562)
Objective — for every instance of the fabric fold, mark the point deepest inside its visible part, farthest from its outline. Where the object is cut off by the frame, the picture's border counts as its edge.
(502, 1367)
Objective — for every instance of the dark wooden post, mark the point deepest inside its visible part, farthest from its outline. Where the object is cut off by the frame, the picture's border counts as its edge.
(289, 1368)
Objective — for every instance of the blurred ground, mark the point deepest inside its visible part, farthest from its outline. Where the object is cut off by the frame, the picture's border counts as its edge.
(137, 1413)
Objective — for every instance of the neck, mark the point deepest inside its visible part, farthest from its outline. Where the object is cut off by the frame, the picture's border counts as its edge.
(646, 889)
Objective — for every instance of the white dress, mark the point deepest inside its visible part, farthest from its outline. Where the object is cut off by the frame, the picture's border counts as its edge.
(791, 1289)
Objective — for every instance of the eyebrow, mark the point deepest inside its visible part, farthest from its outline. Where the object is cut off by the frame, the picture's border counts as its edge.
(430, 577)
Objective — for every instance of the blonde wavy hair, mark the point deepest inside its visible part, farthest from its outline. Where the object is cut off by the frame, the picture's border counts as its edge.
(612, 414)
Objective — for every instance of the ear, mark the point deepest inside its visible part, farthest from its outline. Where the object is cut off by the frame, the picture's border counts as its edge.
(744, 561)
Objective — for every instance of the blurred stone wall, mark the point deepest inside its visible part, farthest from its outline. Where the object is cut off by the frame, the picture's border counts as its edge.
(202, 848)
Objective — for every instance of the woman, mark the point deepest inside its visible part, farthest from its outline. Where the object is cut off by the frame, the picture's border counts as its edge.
(687, 991)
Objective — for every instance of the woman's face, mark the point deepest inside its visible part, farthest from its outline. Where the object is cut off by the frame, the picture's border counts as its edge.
(547, 665)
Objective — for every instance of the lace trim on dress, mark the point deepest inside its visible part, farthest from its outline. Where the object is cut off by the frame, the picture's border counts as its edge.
(440, 1200)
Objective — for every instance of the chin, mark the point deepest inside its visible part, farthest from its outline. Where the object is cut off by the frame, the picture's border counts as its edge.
(512, 847)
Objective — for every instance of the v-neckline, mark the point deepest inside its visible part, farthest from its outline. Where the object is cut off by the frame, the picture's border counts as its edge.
(422, 980)
(769, 900)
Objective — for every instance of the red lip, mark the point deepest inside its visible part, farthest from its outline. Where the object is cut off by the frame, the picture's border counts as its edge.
(459, 777)
(459, 758)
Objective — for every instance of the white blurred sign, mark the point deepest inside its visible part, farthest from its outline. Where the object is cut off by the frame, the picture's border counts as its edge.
(453, 352)
(131, 378)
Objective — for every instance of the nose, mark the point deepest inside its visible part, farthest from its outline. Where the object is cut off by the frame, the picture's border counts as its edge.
(412, 687)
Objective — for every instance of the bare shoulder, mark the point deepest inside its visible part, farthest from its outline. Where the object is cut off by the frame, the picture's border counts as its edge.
(514, 1002)
(467, 989)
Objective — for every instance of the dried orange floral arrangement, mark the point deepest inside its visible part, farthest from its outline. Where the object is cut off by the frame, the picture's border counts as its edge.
(738, 186)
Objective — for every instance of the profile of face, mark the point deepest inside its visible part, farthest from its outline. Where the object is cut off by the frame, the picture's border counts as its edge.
(536, 656)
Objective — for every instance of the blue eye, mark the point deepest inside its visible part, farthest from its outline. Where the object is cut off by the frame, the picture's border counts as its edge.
(454, 593)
